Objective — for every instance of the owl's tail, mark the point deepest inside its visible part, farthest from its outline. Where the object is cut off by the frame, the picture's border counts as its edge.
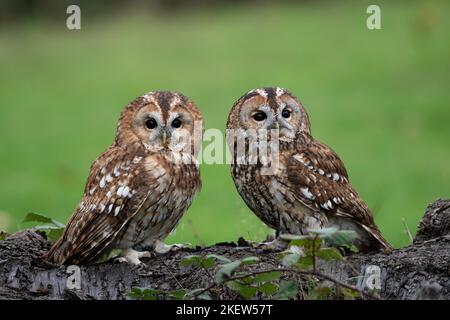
(384, 245)
(56, 253)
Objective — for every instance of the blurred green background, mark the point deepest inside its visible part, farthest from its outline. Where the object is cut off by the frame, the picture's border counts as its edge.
(379, 98)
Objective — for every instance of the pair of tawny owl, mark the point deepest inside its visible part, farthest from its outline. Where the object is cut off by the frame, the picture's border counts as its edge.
(138, 190)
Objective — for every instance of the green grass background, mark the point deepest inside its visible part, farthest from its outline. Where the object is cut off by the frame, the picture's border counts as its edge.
(379, 98)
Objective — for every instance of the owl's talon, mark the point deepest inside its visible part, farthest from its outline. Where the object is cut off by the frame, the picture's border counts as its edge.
(132, 256)
(162, 248)
(276, 245)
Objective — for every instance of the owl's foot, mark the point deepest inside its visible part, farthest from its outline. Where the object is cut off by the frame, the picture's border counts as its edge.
(132, 256)
(273, 246)
(162, 248)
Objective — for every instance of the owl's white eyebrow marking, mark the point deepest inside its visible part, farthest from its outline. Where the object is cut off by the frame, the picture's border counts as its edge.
(175, 101)
(147, 96)
(150, 98)
(261, 92)
(279, 92)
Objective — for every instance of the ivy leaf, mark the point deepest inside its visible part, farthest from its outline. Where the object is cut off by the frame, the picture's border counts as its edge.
(292, 237)
(290, 259)
(150, 294)
(287, 290)
(323, 232)
(135, 293)
(55, 234)
(245, 291)
(250, 260)
(267, 276)
(349, 294)
(219, 258)
(207, 262)
(3, 235)
(177, 294)
(144, 293)
(305, 262)
(268, 288)
(37, 217)
(202, 296)
(226, 271)
(329, 254)
(320, 292)
(340, 238)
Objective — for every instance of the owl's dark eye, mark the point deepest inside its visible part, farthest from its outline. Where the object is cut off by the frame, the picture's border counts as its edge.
(260, 116)
(176, 123)
(151, 123)
(286, 113)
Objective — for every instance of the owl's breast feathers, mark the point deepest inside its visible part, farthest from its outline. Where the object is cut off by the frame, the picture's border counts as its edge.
(120, 183)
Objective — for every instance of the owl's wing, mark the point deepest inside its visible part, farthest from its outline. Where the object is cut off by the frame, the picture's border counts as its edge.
(319, 179)
(114, 192)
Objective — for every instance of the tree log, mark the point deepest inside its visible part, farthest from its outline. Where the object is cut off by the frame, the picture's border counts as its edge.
(418, 271)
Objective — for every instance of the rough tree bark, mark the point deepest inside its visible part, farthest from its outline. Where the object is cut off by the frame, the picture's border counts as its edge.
(418, 271)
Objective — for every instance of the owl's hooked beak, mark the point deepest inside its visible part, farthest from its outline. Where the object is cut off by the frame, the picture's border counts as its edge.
(164, 138)
(274, 125)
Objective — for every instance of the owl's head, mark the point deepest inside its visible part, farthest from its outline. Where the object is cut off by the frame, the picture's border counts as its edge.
(161, 120)
(270, 108)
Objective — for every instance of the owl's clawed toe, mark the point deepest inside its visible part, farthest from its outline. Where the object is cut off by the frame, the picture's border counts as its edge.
(133, 257)
(276, 245)
(162, 248)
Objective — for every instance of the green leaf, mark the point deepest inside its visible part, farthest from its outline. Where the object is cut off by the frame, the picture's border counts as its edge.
(151, 294)
(177, 294)
(324, 232)
(226, 271)
(268, 276)
(189, 260)
(290, 259)
(219, 258)
(292, 237)
(37, 217)
(203, 296)
(320, 292)
(199, 261)
(268, 288)
(245, 291)
(55, 234)
(250, 260)
(349, 294)
(305, 262)
(341, 238)
(3, 235)
(207, 262)
(329, 254)
(144, 293)
(287, 290)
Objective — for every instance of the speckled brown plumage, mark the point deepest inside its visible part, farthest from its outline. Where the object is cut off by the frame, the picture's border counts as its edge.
(140, 187)
(310, 187)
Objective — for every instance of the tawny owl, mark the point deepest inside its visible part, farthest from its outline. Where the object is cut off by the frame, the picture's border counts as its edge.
(140, 187)
(304, 185)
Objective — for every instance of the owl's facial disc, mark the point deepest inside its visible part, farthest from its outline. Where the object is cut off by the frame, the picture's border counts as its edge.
(288, 117)
(180, 128)
(150, 129)
(283, 114)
